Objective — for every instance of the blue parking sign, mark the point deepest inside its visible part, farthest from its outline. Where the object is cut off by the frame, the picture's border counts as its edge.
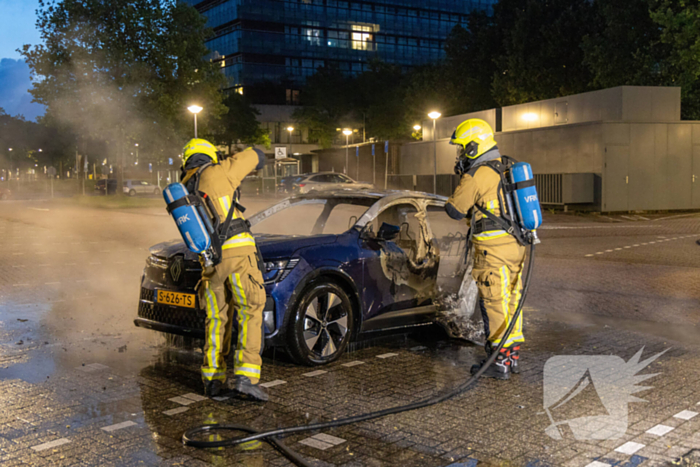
(386, 147)
(373, 149)
(170, 160)
(357, 151)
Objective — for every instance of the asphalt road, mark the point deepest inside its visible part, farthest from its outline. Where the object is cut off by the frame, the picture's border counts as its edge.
(79, 385)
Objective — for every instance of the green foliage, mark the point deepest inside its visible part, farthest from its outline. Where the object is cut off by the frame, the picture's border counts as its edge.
(240, 124)
(678, 51)
(541, 55)
(327, 102)
(32, 143)
(124, 71)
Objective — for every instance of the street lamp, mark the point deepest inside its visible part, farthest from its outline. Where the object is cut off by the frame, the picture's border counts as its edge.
(434, 115)
(137, 153)
(195, 109)
(290, 129)
(347, 132)
(417, 127)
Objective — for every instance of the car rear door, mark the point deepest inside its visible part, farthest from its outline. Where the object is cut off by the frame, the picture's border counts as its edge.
(398, 274)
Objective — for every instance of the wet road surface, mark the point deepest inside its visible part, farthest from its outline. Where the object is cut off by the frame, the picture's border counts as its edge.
(80, 385)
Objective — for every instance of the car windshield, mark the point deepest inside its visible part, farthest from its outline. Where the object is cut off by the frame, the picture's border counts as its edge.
(311, 216)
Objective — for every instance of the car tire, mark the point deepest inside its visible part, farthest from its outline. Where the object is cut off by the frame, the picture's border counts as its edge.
(317, 333)
(132, 192)
(156, 192)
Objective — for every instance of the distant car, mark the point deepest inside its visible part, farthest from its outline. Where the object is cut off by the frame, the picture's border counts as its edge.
(110, 185)
(337, 264)
(5, 193)
(326, 181)
(287, 184)
(140, 187)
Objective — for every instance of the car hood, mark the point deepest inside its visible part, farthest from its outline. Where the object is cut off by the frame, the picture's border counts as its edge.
(271, 246)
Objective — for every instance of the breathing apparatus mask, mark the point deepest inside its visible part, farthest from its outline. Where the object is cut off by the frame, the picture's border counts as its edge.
(465, 157)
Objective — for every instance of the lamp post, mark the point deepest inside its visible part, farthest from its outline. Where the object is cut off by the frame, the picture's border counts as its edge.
(347, 132)
(137, 153)
(290, 129)
(195, 109)
(434, 115)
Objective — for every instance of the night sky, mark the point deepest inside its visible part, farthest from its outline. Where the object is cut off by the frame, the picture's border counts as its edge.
(18, 28)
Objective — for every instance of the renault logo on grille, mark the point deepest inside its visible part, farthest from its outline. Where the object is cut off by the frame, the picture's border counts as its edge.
(176, 269)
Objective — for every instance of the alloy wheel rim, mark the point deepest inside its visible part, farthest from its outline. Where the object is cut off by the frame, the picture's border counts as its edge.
(325, 324)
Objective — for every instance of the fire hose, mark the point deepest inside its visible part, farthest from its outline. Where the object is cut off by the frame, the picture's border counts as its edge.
(272, 436)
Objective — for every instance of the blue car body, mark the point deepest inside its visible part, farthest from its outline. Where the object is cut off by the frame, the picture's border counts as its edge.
(388, 283)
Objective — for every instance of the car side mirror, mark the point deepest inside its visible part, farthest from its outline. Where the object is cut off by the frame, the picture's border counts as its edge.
(388, 232)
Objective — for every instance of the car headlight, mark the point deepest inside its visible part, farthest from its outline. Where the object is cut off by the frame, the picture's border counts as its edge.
(276, 271)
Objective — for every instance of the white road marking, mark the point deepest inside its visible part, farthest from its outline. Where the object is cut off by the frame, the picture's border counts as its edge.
(219, 399)
(589, 256)
(351, 364)
(119, 426)
(181, 400)
(172, 412)
(194, 397)
(39, 209)
(332, 440)
(660, 430)
(314, 373)
(629, 448)
(388, 355)
(20, 285)
(685, 415)
(597, 464)
(51, 283)
(272, 384)
(315, 443)
(51, 444)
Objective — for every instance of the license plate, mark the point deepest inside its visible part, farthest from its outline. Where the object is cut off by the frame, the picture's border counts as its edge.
(175, 298)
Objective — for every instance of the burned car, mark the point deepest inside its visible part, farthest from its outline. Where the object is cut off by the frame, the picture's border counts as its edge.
(338, 264)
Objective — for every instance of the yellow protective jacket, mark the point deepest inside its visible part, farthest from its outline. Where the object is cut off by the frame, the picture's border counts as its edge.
(479, 188)
(219, 182)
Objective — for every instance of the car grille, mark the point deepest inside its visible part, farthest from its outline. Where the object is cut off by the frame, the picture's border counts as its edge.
(191, 318)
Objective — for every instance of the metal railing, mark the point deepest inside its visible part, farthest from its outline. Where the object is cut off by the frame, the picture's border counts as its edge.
(550, 188)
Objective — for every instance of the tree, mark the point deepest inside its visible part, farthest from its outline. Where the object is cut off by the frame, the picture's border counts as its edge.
(628, 25)
(326, 104)
(240, 124)
(541, 56)
(123, 71)
(677, 53)
(378, 102)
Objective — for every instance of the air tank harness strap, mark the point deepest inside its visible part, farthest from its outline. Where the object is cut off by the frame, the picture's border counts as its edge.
(188, 200)
(511, 187)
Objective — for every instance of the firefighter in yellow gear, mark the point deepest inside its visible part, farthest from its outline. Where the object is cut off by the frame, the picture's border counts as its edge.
(234, 287)
(498, 256)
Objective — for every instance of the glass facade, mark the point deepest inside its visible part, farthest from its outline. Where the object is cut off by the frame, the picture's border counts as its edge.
(285, 41)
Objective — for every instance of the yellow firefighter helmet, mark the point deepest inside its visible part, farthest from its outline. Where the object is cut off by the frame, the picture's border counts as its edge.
(199, 146)
(474, 136)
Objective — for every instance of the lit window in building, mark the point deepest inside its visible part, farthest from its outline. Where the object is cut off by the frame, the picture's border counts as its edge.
(312, 35)
(239, 90)
(362, 37)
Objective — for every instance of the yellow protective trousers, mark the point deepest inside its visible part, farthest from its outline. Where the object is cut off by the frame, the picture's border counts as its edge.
(233, 287)
(498, 269)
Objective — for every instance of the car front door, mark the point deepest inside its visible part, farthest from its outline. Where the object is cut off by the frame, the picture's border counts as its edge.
(399, 273)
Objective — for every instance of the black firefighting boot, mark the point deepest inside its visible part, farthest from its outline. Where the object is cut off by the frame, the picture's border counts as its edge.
(244, 389)
(514, 357)
(499, 369)
(214, 388)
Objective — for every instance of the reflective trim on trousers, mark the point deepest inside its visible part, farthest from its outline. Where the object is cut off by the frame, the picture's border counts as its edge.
(213, 329)
(235, 280)
(216, 374)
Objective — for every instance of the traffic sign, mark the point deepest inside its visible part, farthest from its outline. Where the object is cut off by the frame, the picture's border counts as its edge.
(386, 147)
(357, 151)
(373, 149)
(51, 171)
(280, 152)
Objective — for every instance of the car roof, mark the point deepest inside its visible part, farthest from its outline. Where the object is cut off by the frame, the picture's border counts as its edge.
(388, 195)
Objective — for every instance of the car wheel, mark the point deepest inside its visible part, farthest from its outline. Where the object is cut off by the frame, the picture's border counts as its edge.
(321, 326)
(132, 192)
(156, 192)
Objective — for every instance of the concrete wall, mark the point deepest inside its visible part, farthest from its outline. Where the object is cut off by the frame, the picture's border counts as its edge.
(624, 103)
(654, 166)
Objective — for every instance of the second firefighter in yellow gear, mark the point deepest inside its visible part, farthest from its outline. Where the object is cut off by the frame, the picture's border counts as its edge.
(233, 288)
(498, 256)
